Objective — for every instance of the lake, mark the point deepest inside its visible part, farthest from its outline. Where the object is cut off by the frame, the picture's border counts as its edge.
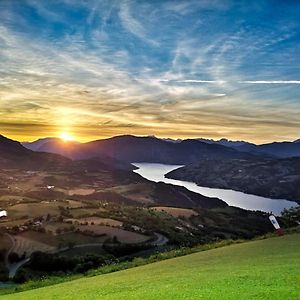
(156, 173)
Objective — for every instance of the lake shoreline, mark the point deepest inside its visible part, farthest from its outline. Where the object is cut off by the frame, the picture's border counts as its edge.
(156, 172)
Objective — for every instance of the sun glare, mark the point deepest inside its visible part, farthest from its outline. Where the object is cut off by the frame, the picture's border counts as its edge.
(66, 136)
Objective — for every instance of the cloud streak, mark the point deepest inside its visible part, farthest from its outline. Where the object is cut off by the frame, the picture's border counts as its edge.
(271, 81)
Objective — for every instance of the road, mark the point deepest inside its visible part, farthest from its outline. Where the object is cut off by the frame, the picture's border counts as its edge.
(160, 240)
(13, 268)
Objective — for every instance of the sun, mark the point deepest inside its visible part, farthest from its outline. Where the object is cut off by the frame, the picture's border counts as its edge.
(66, 136)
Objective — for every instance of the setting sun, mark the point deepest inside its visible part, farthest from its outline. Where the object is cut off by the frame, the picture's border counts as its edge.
(66, 136)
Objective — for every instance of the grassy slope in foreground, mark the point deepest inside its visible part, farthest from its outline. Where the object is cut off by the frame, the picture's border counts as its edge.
(263, 269)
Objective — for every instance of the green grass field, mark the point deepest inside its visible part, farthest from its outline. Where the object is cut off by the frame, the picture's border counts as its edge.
(262, 269)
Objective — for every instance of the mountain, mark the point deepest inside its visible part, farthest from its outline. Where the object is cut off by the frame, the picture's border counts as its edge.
(275, 149)
(129, 148)
(274, 178)
(171, 140)
(111, 171)
(36, 145)
(14, 155)
(224, 142)
(54, 145)
(278, 149)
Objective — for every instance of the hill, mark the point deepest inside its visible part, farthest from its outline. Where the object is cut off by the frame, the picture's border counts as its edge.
(36, 145)
(142, 149)
(274, 178)
(263, 269)
(13, 155)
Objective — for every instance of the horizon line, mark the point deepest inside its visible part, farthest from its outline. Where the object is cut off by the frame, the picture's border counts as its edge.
(141, 136)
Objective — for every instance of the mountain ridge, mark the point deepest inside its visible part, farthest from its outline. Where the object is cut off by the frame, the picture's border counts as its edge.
(75, 150)
(131, 149)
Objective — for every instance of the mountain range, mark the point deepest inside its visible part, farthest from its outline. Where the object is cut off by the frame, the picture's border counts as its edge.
(14, 155)
(129, 148)
(276, 149)
(113, 173)
(151, 149)
(270, 170)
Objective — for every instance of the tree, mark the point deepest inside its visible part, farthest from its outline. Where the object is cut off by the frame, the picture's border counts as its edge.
(291, 216)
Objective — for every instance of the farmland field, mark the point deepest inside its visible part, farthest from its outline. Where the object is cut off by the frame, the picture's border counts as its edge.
(33, 210)
(137, 192)
(122, 235)
(81, 191)
(176, 212)
(100, 221)
(48, 239)
(5, 242)
(28, 246)
(263, 269)
(82, 212)
(79, 239)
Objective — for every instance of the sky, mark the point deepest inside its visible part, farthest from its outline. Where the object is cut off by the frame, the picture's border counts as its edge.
(179, 69)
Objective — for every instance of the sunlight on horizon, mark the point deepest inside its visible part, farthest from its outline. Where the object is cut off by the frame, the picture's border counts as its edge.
(65, 136)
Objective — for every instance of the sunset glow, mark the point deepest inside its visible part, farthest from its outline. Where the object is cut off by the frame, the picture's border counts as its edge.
(66, 136)
(214, 69)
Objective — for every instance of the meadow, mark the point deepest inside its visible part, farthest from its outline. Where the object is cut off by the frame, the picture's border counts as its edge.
(261, 269)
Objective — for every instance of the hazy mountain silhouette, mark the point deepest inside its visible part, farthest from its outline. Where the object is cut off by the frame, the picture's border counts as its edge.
(143, 149)
(14, 155)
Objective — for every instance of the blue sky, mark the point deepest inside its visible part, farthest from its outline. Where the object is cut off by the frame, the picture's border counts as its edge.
(170, 68)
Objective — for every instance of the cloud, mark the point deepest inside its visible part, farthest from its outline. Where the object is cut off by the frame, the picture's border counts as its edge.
(132, 24)
(193, 81)
(146, 67)
(271, 81)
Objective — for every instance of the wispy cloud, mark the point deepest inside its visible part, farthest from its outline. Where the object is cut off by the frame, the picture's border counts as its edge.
(132, 24)
(193, 81)
(170, 68)
(271, 81)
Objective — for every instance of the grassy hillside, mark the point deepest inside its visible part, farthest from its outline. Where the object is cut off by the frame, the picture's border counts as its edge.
(263, 269)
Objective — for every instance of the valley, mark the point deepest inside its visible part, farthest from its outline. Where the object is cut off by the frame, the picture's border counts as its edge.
(75, 215)
(149, 149)
(66, 216)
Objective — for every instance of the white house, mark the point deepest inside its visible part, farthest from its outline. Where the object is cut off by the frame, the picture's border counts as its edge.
(3, 213)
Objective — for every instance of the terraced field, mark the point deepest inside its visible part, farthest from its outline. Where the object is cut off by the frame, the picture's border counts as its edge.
(23, 244)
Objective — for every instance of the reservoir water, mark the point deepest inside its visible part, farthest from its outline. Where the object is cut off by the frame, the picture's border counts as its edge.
(156, 173)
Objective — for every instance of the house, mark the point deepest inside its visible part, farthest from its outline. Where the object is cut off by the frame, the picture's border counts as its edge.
(3, 213)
